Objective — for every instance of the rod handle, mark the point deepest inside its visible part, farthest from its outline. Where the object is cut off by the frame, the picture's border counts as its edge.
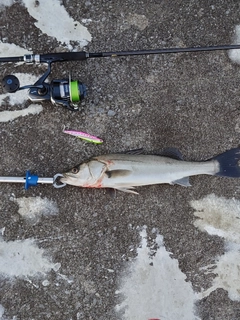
(64, 56)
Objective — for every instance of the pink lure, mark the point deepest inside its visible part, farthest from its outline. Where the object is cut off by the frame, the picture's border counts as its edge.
(84, 136)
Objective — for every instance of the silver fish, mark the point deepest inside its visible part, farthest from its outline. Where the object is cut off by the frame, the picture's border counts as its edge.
(126, 171)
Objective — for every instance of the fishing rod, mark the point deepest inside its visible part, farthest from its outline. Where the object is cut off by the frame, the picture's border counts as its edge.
(67, 92)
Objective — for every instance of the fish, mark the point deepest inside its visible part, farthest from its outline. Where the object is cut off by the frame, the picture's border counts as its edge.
(85, 136)
(126, 171)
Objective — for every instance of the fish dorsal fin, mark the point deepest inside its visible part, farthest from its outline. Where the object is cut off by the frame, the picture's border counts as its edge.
(173, 153)
(117, 173)
(183, 182)
(134, 151)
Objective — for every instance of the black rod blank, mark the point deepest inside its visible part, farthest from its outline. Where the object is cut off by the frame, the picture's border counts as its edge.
(11, 59)
(169, 50)
(82, 55)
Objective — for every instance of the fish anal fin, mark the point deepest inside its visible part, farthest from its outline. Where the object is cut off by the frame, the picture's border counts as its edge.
(117, 173)
(183, 182)
(173, 153)
(111, 192)
(127, 190)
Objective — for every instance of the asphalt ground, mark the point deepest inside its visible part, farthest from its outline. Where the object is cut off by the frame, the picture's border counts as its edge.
(189, 101)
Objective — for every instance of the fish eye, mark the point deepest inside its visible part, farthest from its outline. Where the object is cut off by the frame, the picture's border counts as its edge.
(75, 170)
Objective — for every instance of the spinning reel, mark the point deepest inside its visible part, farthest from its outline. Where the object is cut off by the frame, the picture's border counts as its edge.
(62, 92)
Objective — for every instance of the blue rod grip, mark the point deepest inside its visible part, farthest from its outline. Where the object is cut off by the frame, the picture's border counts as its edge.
(30, 180)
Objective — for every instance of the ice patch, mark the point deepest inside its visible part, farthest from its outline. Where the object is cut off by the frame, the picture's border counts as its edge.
(24, 259)
(6, 116)
(55, 21)
(155, 287)
(220, 216)
(33, 208)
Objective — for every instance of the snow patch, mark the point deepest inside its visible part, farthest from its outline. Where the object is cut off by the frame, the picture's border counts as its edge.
(5, 3)
(33, 208)
(86, 21)
(234, 54)
(55, 21)
(1, 311)
(154, 287)
(45, 283)
(227, 274)
(23, 258)
(137, 20)
(6, 116)
(220, 216)
(12, 50)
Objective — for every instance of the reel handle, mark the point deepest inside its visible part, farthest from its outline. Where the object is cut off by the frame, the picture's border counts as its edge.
(10, 84)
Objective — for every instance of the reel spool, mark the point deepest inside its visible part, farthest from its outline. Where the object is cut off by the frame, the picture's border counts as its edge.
(66, 92)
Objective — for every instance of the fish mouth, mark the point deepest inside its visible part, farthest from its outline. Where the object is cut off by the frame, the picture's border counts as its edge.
(64, 178)
(68, 178)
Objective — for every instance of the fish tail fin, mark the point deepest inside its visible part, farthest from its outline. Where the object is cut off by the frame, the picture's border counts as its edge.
(229, 163)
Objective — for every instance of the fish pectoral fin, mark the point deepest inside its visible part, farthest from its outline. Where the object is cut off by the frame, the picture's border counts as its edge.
(128, 190)
(117, 173)
(183, 182)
